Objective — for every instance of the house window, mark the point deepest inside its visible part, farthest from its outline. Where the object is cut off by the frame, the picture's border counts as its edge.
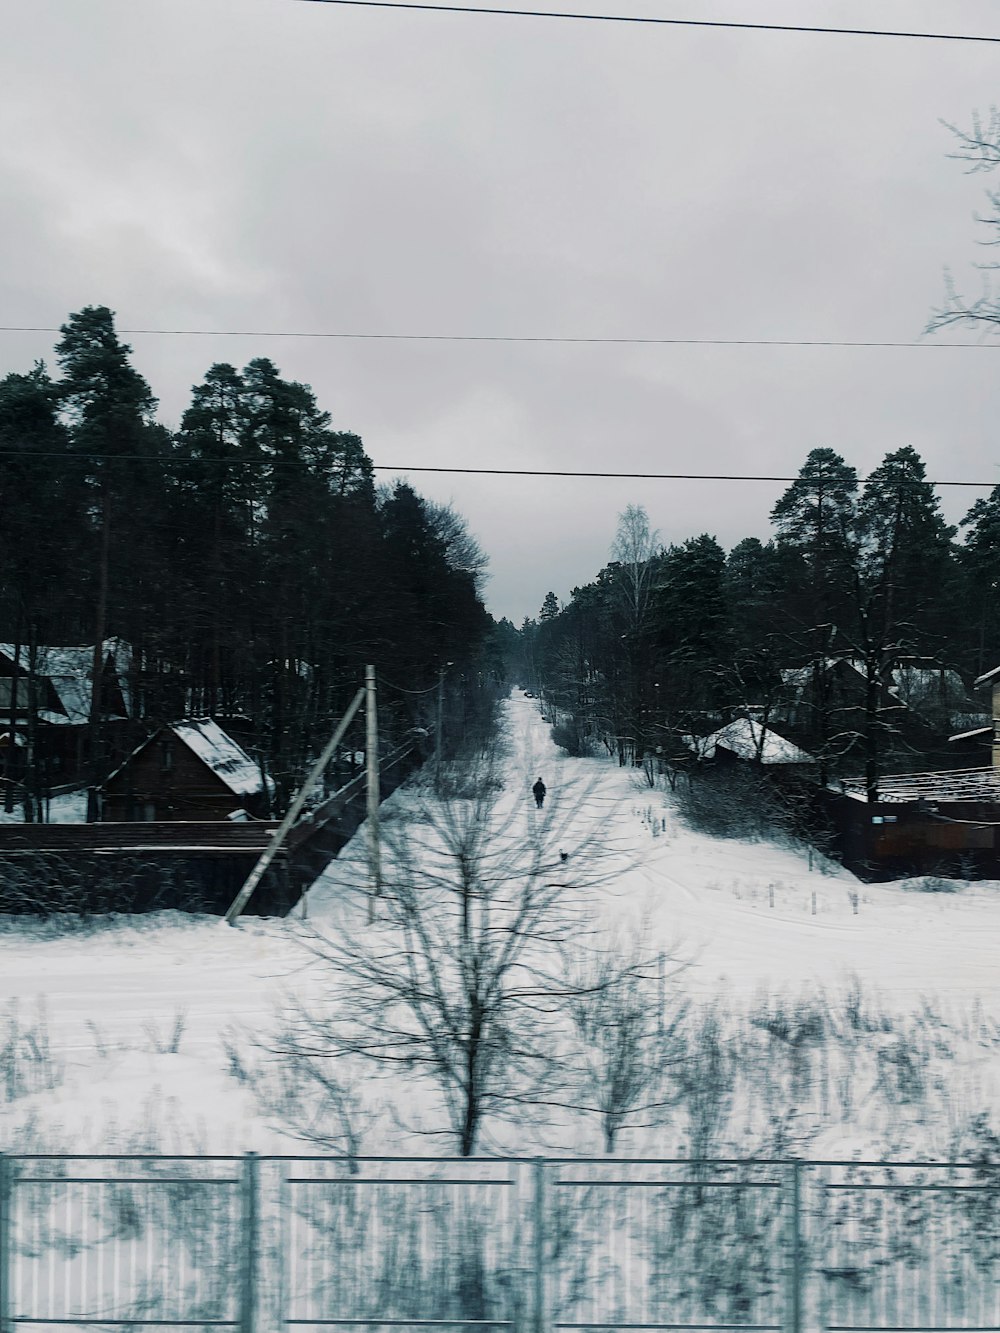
(167, 757)
(149, 812)
(9, 695)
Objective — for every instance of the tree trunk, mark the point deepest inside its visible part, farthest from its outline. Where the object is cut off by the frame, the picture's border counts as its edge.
(9, 756)
(96, 758)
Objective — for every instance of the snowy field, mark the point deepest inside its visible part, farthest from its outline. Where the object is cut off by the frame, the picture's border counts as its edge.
(832, 1017)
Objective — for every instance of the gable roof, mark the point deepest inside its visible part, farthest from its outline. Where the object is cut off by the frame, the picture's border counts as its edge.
(742, 737)
(968, 735)
(228, 760)
(70, 670)
(216, 749)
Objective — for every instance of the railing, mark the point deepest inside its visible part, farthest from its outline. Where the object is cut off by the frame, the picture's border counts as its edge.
(528, 1244)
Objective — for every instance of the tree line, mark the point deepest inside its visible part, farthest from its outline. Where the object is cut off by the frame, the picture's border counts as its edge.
(672, 640)
(248, 558)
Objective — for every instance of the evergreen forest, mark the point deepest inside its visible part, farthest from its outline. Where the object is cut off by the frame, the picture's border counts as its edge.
(248, 560)
(858, 629)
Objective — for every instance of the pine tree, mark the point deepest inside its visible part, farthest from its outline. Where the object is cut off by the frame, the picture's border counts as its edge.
(693, 635)
(903, 587)
(550, 607)
(42, 530)
(905, 547)
(814, 520)
(109, 407)
(218, 495)
(979, 562)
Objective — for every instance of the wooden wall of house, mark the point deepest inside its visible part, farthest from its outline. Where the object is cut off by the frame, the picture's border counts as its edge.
(914, 842)
(167, 781)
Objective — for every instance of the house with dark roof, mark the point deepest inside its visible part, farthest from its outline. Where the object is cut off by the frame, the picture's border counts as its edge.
(988, 733)
(915, 690)
(51, 692)
(190, 770)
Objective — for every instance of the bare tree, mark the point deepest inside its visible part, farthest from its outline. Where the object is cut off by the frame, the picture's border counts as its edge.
(980, 148)
(456, 981)
(626, 1043)
(634, 550)
(463, 551)
(634, 547)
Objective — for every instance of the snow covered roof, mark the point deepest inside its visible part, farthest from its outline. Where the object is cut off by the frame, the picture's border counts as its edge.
(227, 760)
(958, 784)
(742, 738)
(70, 669)
(916, 684)
(987, 676)
(967, 735)
(802, 676)
(926, 689)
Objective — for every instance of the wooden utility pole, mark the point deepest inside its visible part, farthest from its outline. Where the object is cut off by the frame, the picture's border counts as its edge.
(257, 874)
(95, 720)
(374, 793)
(437, 730)
(438, 734)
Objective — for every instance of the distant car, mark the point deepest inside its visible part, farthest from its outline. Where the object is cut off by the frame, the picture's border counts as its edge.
(528, 694)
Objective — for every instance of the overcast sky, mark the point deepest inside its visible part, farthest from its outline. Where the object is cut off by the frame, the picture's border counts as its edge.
(280, 165)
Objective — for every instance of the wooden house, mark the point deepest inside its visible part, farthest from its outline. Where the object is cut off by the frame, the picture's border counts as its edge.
(49, 694)
(913, 691)
(943, 823)
(750, 740)
(990, 731)
(191, 771)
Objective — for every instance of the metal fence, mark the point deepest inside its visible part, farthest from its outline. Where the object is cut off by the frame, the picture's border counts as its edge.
(528, 1244)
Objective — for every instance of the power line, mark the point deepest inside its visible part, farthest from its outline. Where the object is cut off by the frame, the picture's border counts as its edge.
(661, 22)
(672, 476)
(517, 338)
(171, 460)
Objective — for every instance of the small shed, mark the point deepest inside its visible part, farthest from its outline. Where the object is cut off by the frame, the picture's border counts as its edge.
(190, 770)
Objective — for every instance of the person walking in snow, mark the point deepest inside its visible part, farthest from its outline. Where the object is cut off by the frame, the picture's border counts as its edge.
(539, 792)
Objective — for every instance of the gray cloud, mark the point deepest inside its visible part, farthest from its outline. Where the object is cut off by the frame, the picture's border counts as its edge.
(268, 164)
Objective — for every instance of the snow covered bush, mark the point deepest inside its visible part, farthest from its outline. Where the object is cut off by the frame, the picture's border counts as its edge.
(570, 736)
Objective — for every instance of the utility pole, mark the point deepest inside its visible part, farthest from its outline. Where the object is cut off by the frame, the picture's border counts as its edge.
(440, 723)
(257, 874)
(371, 765)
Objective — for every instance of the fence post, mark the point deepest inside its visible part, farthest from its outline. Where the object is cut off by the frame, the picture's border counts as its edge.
(248, 1285)
(538, 1237)
(793, 1322)
(5, 1245)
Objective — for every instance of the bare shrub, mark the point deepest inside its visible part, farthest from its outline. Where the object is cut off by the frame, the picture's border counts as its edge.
(167, 1041)
(731, 802)
(27, 1064)
(79, 890)
(302, 1090)
(624, 1044)
(706, 1078)
(930, 884)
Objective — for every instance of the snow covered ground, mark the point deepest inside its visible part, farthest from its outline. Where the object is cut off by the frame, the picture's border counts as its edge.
(68, 808)
(877, 1005)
